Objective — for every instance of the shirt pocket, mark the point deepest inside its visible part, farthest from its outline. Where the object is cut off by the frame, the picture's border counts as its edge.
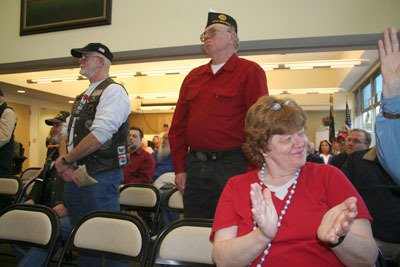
(192, 95)
(226, 92)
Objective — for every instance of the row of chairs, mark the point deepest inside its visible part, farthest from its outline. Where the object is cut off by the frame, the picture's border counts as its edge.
(147, 198)
(133, 197)
(107, 233)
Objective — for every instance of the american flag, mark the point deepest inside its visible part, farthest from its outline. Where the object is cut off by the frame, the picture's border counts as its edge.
(347, 121)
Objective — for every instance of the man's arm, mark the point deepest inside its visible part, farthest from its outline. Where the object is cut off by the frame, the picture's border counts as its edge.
(387, 127)
(7, 124)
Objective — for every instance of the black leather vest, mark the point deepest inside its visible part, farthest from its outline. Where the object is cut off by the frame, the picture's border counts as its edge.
(112, 154)
(6, 151)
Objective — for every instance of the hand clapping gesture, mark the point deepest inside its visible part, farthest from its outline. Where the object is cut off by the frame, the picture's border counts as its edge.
(264, 212)
(390, 63)
(337, 221)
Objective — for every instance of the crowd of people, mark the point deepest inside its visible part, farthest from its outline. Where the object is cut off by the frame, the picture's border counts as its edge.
(249, 167)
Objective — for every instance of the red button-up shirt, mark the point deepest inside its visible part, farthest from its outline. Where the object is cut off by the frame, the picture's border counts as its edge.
(211, 108)
(140, 168)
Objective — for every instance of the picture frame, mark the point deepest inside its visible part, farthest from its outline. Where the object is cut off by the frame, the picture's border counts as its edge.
(40, 16)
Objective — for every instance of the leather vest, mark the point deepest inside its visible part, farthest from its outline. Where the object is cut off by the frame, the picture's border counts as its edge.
(6, 151)
(112, 154)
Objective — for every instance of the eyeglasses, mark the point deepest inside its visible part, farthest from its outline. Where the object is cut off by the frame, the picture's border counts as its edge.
(355, 141)
(86, 56)
(211, 32)
(275, 106)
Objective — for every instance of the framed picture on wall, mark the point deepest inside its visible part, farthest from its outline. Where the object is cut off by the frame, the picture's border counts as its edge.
(39, 16)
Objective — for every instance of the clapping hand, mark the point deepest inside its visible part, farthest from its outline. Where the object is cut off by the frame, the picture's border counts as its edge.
(263, 210)
(337, 221)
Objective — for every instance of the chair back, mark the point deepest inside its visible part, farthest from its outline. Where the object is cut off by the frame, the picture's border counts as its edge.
(10, 189)
(30, 225)
(172, 202)
(175, 200)
(380, 261)
(26, 191)
(110, 233)
(142, 197)
(26, 174)
(184, 242)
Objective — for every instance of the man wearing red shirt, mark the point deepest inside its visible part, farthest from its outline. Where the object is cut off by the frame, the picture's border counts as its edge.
(141, 166)
(207, 128)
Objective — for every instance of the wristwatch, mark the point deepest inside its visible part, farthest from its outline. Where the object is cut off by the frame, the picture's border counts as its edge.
(64, 160)
(390, 115)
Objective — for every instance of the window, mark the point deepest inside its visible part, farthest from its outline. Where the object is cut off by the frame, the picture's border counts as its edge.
(367, 101)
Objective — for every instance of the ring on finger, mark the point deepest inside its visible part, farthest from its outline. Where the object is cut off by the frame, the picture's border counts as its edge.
(336, 231)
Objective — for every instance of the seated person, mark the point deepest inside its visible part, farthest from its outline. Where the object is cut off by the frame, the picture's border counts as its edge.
(357, 140)
(324, 152)
(156, 142)
(164, 165)
(48, 190)
(163, 158)
(387, 126)
(141, 166)
(340, 143)
(381, 196)
(289, 212)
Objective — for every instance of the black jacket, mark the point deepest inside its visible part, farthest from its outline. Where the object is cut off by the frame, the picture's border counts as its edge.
(380, 193)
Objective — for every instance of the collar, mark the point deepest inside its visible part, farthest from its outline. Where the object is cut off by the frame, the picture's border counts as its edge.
(230, 65)
(139, 151)
(370, 155)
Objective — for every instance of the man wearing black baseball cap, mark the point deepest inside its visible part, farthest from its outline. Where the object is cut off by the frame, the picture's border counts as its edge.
(95, 140)
(219, 93)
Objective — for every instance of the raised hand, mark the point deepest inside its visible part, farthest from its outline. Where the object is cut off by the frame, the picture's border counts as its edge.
(390, 63)
(337, 221)
(263, 210)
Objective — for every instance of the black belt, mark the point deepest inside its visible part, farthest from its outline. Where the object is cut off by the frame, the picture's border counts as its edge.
(215, 155)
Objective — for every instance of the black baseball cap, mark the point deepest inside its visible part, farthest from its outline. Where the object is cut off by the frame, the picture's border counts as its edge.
(92, 47)
(61, 117)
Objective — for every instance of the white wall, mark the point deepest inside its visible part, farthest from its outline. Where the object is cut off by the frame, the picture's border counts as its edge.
(148, 24)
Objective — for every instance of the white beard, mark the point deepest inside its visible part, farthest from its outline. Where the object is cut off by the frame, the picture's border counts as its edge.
(164, 151)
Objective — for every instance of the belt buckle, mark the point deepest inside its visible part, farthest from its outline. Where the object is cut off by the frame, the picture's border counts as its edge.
(201, 156)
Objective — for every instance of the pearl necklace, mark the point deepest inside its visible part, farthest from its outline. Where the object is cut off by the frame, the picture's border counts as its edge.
(283, 211)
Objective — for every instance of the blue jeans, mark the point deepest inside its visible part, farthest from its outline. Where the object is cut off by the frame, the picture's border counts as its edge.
(35, 257)
(101, 196)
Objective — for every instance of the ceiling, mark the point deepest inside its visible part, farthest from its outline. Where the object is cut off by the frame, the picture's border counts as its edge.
(148, 85)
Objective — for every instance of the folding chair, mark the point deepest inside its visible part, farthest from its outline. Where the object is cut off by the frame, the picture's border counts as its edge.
(26, 191)
(380, 261)
(26, 174)
(142, 198)
(172, 202)
(109, 233)
(30, 225)
(184, 243)
(10, 190)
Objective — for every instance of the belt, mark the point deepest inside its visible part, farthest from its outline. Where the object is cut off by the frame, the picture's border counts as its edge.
(215, 155)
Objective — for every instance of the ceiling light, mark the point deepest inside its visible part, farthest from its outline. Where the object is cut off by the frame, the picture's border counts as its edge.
(304, 91)
(71, 101)
(269, 66)
(153, 96)
(149, 108)
(129, 74)
(68, 78)
(21, 91)
(340, 63)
